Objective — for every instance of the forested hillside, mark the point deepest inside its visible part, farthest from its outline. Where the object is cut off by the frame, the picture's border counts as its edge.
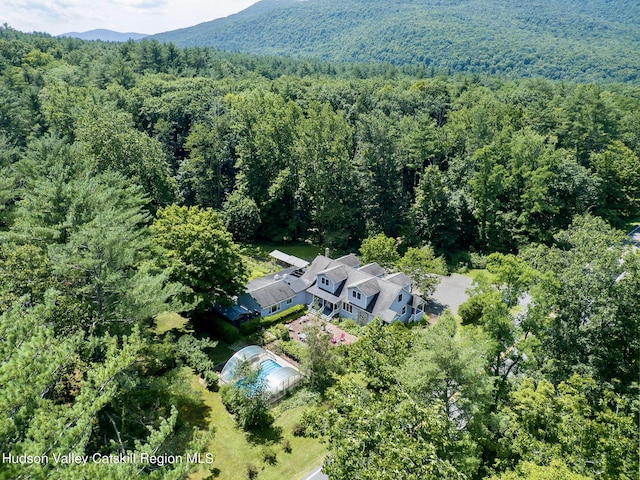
(128, 172)
(572, 40)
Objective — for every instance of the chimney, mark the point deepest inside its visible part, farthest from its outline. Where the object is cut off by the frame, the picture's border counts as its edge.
(326, 252)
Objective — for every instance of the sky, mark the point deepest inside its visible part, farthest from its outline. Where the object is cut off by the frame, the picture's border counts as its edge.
(126, 16)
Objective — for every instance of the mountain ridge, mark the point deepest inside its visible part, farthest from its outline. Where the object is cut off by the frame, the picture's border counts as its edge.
(105, 35)
(583, 40)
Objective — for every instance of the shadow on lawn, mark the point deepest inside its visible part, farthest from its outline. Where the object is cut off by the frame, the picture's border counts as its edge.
(265, 436)
(215, 473)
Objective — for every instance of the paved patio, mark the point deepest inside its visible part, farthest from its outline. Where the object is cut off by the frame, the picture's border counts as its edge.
(338, 336)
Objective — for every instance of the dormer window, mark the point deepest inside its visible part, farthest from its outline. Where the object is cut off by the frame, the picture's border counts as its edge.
(324, 281)
(400, 298)
(356, 295)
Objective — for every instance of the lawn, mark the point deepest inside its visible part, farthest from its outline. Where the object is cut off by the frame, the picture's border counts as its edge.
(302, 250)
(234, 449)
(259, 263)
(474, 273)
(170, 321)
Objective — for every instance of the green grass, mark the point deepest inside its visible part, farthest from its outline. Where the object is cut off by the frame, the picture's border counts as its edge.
(476, 272)
(302, 250)
(259, 263)
(170, 321)
(631, 224)
(233, 448)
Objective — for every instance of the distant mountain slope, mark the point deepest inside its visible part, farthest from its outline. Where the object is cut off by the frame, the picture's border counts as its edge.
(582, 40)
(106, 35)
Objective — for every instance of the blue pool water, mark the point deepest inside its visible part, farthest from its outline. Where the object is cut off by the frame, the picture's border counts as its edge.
(266, 367)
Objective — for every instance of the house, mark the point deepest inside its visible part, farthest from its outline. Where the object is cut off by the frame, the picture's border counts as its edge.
(337, 288)
(273, 293)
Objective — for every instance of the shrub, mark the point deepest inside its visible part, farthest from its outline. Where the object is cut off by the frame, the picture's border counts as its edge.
(224, 331)
(349, 325)
(477, 260)
(280, 332)
(269, 456)
(248, 400)
(252, 471)
(397, 326)
(292, 349)
(226, 396)
(253, 325)
(299, 430)
(471, 311)
(286, 445)
(192, 351)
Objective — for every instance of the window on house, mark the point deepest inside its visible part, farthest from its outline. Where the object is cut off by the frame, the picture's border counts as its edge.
(348, 307)
(404, 310)
(357, 295)
(289, 301)
(324, 281)
(274, 308)
(400, 298)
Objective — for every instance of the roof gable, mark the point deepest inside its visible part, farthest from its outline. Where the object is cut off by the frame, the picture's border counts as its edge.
(373, 269)
(336, 273)
(272, 294)
(399, 278)
(368, 287)
(350, 260)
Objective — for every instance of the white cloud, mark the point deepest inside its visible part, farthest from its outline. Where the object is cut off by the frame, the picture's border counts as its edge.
(142, 16)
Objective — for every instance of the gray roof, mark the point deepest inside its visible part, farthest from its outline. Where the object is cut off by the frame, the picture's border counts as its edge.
(399, 279)
(319, 264)
(388, 294)
(384, 292)
(350, 260)
(272, 294)
(336, 273)
(373, 269)
(297, 284)
(269, 279)
(387, 315)
(289, 259)
(318, 292)
(416, 301)
(368, 286)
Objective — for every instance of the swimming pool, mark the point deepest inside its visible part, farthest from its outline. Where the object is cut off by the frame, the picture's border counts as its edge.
(269, 375)
(267, 366)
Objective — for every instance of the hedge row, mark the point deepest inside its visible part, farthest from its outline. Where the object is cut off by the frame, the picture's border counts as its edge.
(224, 331)
(255, 324)
(292, 349)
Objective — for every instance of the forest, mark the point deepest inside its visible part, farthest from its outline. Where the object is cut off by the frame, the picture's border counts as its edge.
(132, 172)
(573, 40)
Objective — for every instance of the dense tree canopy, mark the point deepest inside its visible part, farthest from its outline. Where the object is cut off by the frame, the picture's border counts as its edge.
(121, 164)
(553, 40)
(197, 251)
